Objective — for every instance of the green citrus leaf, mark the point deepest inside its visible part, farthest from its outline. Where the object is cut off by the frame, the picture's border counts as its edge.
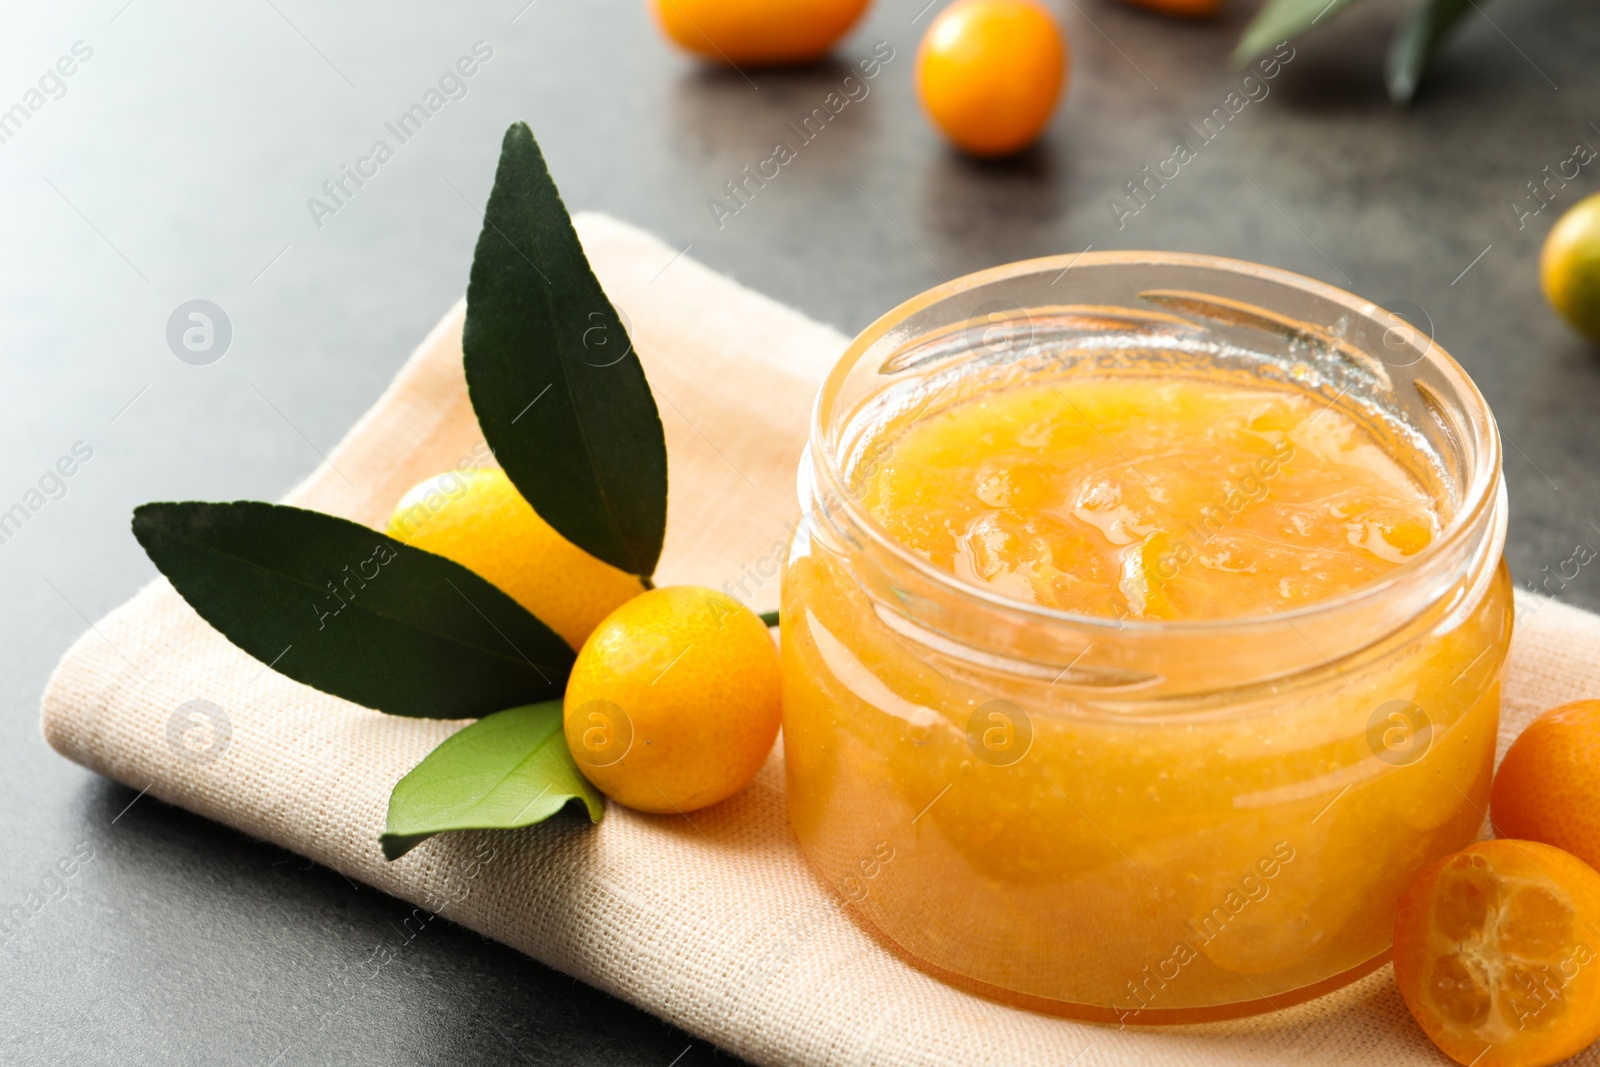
(1416, 40)
(558, 390)
(506, 770)
(1284, 20)
(351, 612)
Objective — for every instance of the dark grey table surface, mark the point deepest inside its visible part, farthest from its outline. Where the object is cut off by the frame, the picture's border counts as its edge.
(176, 162)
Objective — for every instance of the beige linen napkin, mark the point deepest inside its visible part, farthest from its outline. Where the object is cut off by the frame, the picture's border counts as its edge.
(711, 921)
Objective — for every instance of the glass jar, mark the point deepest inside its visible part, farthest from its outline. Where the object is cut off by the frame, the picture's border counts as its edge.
(1118, 819)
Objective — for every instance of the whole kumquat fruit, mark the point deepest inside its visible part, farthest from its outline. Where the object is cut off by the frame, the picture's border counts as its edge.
(673, 703)
(1569, 266)
(767, 32)
(1548, 786)
(1497, 954)
(989, 73)
(477, 518)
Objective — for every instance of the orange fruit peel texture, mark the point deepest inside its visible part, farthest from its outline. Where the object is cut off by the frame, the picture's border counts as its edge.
(1548, 786)
(673, 703)
(769, 32)
(989, 73)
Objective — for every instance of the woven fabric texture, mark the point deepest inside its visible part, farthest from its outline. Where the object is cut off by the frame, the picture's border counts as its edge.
(711, 921)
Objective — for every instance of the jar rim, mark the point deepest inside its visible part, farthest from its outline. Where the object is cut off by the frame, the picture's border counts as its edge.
(1481, 485)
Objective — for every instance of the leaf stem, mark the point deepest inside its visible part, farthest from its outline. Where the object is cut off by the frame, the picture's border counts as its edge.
(644, 580)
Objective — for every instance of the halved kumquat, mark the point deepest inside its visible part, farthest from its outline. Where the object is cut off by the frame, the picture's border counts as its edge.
(1497, 954)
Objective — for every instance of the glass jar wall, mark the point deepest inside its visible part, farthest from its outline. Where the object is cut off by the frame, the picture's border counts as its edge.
(1112, 817)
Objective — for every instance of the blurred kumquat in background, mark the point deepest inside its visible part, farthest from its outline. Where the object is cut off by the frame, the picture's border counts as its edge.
(1186, 9)
(1569, 267)
(768, 33)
